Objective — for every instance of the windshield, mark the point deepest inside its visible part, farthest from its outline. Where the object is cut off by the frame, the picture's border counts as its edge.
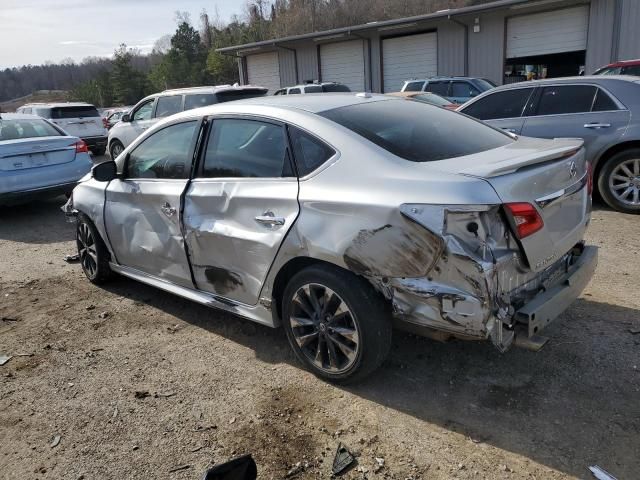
(230, 95)
(417, 131)
(335, 88)
(432, 98)
(608, 71)
(484, 84)
(18, 129)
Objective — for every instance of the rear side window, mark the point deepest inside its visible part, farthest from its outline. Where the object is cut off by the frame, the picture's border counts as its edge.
(413, 87)
(246, 148)
(165, 154)
(168, 106)
(506, 104)
(556, 100)
(42, 112)
(313, 89)
(230, 95)
(309, 151)
(441, 88)
(335, 88)
(417, 131)
(74, 112)
(199, 100)
(463, 89)
(17, 129)
(603, 102)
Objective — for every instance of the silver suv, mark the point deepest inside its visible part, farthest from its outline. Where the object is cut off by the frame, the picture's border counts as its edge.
(151, 109)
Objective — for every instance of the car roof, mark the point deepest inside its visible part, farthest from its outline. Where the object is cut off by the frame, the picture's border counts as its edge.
(319, 84)
(18, 116)
(584, 79)
(624, 63)
(442, 78)
(209, 89)
(58, 104)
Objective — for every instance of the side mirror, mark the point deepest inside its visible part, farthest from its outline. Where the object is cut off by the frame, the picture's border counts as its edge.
(125, 118)
(105, 171)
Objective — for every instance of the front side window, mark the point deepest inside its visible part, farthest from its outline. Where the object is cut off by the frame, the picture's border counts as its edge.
(505, 104)
(246, 148)
(309, 151)
(165, 154)
(143, 112)
(557, 100)
(413, 87)
(282, 91)
(168, 106)
(441, 88)
(199, 100)
(417, 131)
(18, 129)
(463, 89)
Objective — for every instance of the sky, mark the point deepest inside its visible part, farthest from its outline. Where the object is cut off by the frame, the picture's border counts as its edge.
(36, 31)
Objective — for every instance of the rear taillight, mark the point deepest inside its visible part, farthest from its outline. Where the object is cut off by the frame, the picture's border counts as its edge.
(589, 178)
(525, 217)
(81, 147)
(105, 124)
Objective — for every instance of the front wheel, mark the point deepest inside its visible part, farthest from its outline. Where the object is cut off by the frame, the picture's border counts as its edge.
(619, 181)
(115, 149)
(93, 253)
(338, 326)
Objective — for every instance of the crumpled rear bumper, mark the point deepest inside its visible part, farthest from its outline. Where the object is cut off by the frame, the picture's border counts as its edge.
(548, 305)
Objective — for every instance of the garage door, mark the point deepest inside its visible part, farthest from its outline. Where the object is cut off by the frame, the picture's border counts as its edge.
(412, 56)
(548, 32)
(263, 70)
(343, 62)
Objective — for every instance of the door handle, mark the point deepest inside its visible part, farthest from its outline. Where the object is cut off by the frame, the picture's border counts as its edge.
(597, 125)
(168, 210)
(269, 219)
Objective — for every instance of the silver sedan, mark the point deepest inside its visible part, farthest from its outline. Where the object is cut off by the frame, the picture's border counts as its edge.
(338, 216)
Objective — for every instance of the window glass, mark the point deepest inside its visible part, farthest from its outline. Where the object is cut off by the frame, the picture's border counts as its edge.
(230, 95)
(74, 112)
(43, 112)
(432, 98)
(335, 87)
(26, 110)
(313, 89)
(199, 100)
(165, 154)
(634, 70)
(144, 112)
(506, 104)
(463, 89)
(310, 152)
(281, 92)
(293, 91)
(603, 102)
(609, 71)
(566, 99)
(16, 129)
(413, 87)
(417, 131)
(168, 106)
(246, 148)
(441, 88)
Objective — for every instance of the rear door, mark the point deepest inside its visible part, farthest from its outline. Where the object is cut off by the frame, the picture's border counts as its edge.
(240, 206)
(142, 211)
(577, 111)
(502, 109)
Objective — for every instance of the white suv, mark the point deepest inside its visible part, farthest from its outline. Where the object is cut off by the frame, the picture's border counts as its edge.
(324, 87)
(151, 109)
(78, 119)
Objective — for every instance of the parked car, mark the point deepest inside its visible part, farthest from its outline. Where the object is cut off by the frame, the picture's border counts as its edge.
(454, 89)
(77, 119)
(38, 159)
(603, 110)
(113, 116)
(151, 109)
(427, 97)
(335, 214)
(324, 87)
(625, 67)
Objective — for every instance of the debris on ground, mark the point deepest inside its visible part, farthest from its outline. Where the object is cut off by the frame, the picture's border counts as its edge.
(90, 307)
(343, 460)
(634, 330)
(103, 315)
(233, 420)
(10, 319)
(72, 258)
(179, 468)
(299, 467)
(164, 395)
(56, 441)
(379, 464)
(142, 394)
(600, 473)
(4, 359)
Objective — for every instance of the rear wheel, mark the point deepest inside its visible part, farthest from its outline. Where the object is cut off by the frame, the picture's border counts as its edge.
(94, 256)
(115, 149)
(337, 325)
(619, 181)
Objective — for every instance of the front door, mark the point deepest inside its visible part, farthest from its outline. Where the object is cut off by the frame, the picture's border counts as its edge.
(239, 207)
(139, 120)
(142, 212)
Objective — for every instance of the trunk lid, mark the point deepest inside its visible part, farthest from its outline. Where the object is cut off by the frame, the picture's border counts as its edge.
(36, 152)
(551, 175)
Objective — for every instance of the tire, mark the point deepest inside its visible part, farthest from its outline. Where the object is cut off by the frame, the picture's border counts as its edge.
(99, 151)
(94, 256)
(619, 181)
(354, 337)
(115, 149)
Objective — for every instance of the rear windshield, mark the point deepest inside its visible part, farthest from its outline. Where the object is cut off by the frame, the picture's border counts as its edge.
(74, 112)
(17, 129)
(231, 95)
(417, 131)
(432, 98)
(485, 84)
(335, 88)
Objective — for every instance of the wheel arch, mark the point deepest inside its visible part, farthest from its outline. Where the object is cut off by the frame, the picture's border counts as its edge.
(610, 152)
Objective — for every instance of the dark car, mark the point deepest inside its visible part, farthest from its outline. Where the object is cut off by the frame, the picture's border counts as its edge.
(603, 110)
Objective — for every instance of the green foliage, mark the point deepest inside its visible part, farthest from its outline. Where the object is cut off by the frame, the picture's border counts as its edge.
(129, 84)
(98, 91)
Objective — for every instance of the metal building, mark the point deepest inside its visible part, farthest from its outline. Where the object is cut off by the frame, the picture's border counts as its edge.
(504, 41)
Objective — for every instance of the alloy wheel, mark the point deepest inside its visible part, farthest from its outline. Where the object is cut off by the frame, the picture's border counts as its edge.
(116, 150)
(324, 328)
(624, 182)
(87, 250)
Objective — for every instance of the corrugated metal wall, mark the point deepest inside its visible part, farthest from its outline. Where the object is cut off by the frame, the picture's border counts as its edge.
(486, 49)
(600, 38)
(629, 43)
(307, 62)
(451, 49)
(287, 61)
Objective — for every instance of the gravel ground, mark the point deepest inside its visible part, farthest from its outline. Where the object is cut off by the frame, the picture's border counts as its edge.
(129, 382)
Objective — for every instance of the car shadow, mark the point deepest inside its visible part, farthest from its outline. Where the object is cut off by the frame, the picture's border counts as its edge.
(571, 405)
(37, 222)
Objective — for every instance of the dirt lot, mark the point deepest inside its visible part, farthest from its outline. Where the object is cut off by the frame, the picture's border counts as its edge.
(219, 386)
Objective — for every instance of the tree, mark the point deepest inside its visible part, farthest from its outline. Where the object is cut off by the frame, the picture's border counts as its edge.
(129, 84)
